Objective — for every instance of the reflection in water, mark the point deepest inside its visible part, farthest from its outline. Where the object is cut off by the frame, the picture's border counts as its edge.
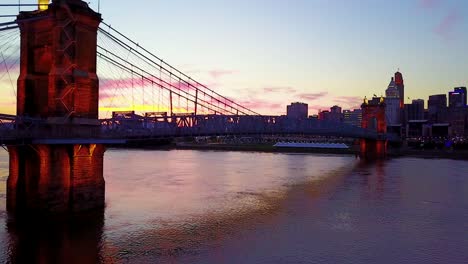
(399, 211)
(187, 201)
(73, 239)
(373, 178)
(165, 204)
(235, 207)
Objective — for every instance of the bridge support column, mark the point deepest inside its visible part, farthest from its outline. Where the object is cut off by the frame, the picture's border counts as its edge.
(373, 117)
(373, 149)
(58, 85)
(55, 178)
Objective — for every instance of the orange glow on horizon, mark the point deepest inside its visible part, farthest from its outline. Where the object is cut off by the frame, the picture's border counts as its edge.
(105, 111)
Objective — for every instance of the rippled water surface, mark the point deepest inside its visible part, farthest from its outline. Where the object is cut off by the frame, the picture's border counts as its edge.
(240, 207)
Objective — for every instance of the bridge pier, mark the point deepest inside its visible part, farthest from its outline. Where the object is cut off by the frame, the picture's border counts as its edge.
(56, 178)
(373, 117)
(59, 86)
(373, 149)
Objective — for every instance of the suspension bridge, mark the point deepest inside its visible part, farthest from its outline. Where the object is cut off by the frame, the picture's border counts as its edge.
(142, 96)
(79, 83)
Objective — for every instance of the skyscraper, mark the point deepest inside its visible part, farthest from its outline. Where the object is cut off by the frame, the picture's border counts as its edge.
(353, 117)
(335, 109)
(437, 107)
(457, 98)
(392, 100)
(392, 90)
(297, 110)
(336, 114)
(400, 85)
(415, 110)
(418, 102)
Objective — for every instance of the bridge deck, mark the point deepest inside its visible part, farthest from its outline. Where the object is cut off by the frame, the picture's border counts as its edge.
(117, 130)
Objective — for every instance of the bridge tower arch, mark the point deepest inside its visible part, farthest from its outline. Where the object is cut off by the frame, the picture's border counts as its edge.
(58, 85)
(373, 117)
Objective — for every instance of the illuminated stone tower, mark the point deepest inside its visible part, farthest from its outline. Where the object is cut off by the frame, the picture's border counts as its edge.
(373, 117)
(58, 84)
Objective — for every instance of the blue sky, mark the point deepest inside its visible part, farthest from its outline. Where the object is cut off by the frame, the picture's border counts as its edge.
(267, 53)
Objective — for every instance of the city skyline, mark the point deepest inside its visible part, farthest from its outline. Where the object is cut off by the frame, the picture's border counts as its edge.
(267, 54)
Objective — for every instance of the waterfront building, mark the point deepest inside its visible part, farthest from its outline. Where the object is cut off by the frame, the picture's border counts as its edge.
(352, 117)
(458, 119)
(437, 108)
(417, 128)
(414, 111)
(297, 110)
(442, 130)
(335, 109)
(336, 114)
(324, 115)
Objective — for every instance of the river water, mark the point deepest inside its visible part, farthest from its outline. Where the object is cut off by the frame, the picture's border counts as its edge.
(245, 207)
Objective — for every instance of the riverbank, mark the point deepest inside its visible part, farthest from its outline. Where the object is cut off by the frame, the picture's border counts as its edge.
(430, 154)
(392, 152)
(263, 148)
(269, 148)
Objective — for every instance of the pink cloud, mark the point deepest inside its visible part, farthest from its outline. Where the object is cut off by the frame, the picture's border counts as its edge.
(448, 24)
(110, 84)
(314, 109)
(285, 89)
(348, 101)
(256, 104)
(312, 96)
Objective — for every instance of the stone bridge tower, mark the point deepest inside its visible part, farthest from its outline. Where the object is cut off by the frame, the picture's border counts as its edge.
(373, 117)
(59, 86)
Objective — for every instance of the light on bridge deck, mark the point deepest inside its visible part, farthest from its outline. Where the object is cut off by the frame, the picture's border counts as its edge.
(43, 4)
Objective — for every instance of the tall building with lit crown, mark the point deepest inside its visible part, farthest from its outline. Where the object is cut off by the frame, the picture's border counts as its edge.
(457, 98)
(392, 100)
(400, 85)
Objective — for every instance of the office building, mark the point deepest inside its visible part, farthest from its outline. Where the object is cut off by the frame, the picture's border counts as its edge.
(457, 98)
(437, 108)
(352, 117)
(297, 110)
(415, 110)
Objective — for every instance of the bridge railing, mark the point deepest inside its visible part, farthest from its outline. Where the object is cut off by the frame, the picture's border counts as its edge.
(219, 124)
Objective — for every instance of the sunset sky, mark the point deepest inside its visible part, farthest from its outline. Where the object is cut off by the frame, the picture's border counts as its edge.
(268, 53)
